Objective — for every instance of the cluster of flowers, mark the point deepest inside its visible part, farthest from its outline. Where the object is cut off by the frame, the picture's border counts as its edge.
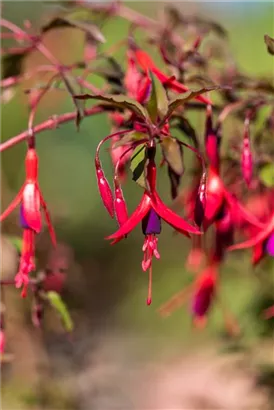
(142, 121)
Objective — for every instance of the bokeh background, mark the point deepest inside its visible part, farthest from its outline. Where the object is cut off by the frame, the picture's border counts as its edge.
(122, 355)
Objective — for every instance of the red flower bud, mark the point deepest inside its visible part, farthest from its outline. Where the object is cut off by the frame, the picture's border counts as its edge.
(120, 206)
(105, 191)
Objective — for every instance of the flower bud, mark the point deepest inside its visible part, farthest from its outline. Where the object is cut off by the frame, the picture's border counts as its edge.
(105, 191)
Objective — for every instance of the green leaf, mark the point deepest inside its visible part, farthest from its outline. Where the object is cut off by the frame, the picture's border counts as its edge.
(173, 154)
(133, 136)
(157, 105)
(86, 26)
(185, 126)
(17, 242)
(269, 41)
(182, 99)
(267, 175)
(73, 88)
(12, 64)
(175, 180)
(58, 304)
(120, 101)
(113, 72)
(137, 165)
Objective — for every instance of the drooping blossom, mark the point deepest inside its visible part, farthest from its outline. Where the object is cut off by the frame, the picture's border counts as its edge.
(203, 295)
(149, 212)
(30, 200)
(200, 293)
(147, 64)
(262, 243)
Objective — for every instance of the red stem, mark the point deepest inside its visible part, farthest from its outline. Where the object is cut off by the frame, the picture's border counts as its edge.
(53, 122)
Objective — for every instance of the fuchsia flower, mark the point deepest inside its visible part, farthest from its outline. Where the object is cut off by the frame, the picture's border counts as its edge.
(203, 295)
(262, 242)
(218, 197)
(150, 211)
(147, 64)
(30, 200)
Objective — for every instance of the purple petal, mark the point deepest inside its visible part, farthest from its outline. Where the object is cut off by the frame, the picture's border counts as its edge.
(270, 245)
(151, 223)
(23, 221)
(202, 301)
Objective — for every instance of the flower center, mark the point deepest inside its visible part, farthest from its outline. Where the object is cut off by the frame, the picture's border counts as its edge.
(151, 223)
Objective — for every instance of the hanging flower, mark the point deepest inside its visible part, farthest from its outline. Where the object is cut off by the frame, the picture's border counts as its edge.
(262, 243)
(150, 211)
(30, 200)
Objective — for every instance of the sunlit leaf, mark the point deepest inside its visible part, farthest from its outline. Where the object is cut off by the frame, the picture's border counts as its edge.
(58, 304)
(269, 41)
(137, 165)
(267, 175)
(120, 101)
(173, 154)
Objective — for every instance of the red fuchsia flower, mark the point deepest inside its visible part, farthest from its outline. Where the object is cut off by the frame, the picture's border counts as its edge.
(150, 211)
(203, 295)
(147, 64)
(133, 77)
(30, 200)
(218, 197)
(262, 243)
(137, 84)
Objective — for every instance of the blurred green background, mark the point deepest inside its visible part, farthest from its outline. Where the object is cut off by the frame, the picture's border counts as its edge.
(106, 289)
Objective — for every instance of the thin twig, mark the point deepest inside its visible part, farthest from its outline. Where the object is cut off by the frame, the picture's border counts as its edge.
(52, 122)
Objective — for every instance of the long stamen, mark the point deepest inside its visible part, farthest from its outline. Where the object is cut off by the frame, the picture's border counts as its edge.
(149, 292)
